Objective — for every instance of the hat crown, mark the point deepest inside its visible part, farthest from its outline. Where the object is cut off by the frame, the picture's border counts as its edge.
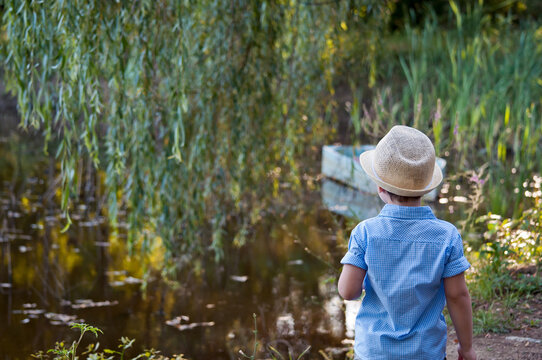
(405, 158)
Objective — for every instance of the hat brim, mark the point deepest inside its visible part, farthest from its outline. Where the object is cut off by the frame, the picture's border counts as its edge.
(366, 161)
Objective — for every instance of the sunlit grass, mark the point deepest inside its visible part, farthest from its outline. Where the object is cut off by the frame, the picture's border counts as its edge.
(491, 320)
(507, 266)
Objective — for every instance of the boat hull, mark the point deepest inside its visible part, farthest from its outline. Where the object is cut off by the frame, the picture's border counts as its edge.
(341, 163)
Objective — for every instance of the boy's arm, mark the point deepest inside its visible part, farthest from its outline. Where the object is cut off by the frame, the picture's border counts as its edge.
(460, 309)
(351, 282)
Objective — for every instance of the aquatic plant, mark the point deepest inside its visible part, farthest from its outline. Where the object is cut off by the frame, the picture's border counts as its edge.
(60, 349)
(93, 351)
(61, 352)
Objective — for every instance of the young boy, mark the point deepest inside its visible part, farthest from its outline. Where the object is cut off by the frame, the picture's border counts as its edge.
(409, 262)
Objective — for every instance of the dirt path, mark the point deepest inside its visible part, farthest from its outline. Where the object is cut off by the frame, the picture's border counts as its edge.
(520, 344)
(501, 346)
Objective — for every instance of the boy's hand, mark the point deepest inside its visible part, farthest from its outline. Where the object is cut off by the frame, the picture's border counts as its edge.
(466, 355)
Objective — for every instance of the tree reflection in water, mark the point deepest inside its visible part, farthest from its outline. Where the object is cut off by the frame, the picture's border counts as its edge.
(50, 277)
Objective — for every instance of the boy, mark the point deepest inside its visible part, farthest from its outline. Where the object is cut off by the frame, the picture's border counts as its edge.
(409, 262)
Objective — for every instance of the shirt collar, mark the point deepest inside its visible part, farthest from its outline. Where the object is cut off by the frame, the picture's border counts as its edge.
(407, 212)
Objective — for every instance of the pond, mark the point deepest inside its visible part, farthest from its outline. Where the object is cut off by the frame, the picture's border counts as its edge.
(285, 275)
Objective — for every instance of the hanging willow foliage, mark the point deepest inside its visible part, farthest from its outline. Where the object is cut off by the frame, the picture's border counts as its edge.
(186, 105)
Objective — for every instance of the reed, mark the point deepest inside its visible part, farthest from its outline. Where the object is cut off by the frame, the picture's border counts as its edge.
(476, 88)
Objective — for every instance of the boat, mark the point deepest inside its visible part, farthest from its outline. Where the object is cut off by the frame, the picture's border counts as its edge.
(349, 202)
(341, 163)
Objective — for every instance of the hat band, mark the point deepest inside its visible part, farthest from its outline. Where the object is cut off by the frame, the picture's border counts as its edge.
(378, 177)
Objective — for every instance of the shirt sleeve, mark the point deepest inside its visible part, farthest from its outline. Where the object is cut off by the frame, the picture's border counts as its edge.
(356, 248)
(456, 262)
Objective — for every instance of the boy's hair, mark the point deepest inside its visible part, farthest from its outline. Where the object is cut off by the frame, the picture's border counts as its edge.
(401, 198)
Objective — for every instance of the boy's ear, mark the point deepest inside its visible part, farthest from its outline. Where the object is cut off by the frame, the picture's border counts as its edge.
(384, 195)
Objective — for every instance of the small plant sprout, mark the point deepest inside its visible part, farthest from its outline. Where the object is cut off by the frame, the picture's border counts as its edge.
(70, 353)
(256, 343)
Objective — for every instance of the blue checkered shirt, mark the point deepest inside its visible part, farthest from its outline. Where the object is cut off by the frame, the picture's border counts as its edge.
(407, 253)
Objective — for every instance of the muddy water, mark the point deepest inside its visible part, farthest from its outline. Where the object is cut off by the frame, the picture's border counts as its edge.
(285, 275)
(49, 278)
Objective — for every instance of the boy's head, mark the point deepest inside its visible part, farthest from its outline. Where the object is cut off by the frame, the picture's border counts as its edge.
(403, 163)
(391, 198)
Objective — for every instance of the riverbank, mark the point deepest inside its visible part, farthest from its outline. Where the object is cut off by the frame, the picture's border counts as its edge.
(522, 343)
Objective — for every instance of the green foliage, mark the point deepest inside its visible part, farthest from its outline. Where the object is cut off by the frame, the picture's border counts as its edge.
(60, 349)
(490, 320)
(516, 241)
(188, 107)
(511, 245)
(474, 87)
(92, 352)
(507, 270)
(61, 352)
(194, 113)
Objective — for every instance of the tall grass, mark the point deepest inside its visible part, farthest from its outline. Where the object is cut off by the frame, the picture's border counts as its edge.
(475, 85)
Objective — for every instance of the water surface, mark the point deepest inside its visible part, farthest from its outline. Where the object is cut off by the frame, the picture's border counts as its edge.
(285, 274)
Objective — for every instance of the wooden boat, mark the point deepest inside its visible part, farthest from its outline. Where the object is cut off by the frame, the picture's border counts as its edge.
(341, 163)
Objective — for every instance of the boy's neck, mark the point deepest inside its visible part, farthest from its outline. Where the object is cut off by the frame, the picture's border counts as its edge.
(411, 203)
(386, 197)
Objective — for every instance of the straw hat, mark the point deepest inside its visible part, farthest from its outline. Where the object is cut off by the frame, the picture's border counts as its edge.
(403, 162)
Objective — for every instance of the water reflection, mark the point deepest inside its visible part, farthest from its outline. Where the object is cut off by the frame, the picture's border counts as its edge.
(286, 275)
(49, 278)
(350, 313)
(346, 201)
